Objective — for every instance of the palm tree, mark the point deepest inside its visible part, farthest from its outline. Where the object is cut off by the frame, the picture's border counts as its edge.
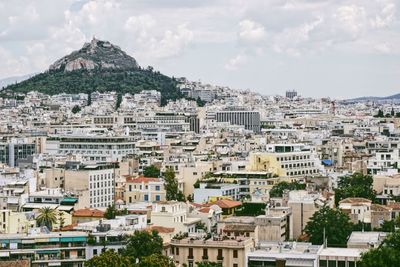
(46, 217)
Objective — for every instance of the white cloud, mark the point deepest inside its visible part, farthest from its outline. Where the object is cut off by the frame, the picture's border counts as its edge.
(352, 18)
(251, 31)
(235, 62)
(291, 40)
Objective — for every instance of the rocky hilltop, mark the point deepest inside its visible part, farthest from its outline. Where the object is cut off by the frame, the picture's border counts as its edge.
(97, 66)
(96, 55)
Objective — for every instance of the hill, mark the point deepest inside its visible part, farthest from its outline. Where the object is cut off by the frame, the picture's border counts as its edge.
(98, 66)
(376, 98)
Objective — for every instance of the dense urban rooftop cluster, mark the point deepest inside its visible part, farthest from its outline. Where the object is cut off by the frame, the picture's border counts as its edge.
(225, 177)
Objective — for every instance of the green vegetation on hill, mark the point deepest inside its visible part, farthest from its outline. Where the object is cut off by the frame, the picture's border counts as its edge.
(86, 81)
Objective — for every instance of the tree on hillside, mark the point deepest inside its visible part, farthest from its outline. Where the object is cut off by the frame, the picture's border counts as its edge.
(386, 255)
(355, 185)
(151, 171)
(277, 190)
(76, 109)
(109, 258)
(143, 244)
(47, 217)
(89, 100)
(335, 223)
(119, 101)
(172, 187)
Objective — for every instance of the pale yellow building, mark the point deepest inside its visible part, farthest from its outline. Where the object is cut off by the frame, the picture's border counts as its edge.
(145, 189)
(15, 222)
(230, 253)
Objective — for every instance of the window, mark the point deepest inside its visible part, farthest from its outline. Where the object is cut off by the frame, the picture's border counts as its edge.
(235, 254)
(157, 188)
(190, 253)
(177, 251)
(146, 197)
(158, 198)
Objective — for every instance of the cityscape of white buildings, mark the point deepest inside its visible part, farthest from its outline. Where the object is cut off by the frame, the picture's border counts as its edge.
(228, 152)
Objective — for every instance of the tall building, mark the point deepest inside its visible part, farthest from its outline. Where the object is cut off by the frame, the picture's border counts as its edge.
(291, 94)
(94, 184)
(249, 119)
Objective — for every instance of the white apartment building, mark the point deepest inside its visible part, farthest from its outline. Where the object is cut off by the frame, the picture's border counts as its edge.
(216, 191)
(173, 214)
(91, 147)
(93, 183)
(293, 160)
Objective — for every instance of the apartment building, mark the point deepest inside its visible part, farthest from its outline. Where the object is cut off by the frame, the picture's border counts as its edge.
(144, 189)
(215, 191)
(228, 252)
(294, 254)
(293, 160)
(16, 222)
(45, 248)
(249, 119)
(93, 183)
(15, 150)
(173, 214)
(91, 147)
(275, 225)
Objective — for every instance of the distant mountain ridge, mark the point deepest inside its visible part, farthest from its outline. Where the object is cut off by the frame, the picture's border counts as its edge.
(376, 98)
(97, 66)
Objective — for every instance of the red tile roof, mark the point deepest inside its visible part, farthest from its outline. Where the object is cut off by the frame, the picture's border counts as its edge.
(161, 229)
(226, 203)
(142, 179)
(89, 213)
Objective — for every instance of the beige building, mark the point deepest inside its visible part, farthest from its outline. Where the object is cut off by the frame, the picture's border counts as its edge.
(304, 205)
(275, 225)
(358, 209)
(145, 189)
(95, 184)
(230, 253)
(15, 222)
(387, 185)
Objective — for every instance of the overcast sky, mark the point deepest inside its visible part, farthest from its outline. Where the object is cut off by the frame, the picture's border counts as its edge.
(332, 48)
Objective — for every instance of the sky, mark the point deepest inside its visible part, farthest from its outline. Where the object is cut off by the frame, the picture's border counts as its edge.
(336, 48)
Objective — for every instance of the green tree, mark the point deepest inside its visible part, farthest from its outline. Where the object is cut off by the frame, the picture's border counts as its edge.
(390, 226)
(156, 260)
(208, 264)
(76, 109)
(355, 185)
(109, 258)
(277, 190)
(200, 103)
(337, 227)
(380, 114)
(46, 217)
(111, 212)
(251, 209)
(386, 255)
(143, 244)
(119, 101)
(151, 171)
(89, 99)
(172, 187)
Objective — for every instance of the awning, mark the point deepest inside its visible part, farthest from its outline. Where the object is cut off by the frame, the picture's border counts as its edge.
(327, 162)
